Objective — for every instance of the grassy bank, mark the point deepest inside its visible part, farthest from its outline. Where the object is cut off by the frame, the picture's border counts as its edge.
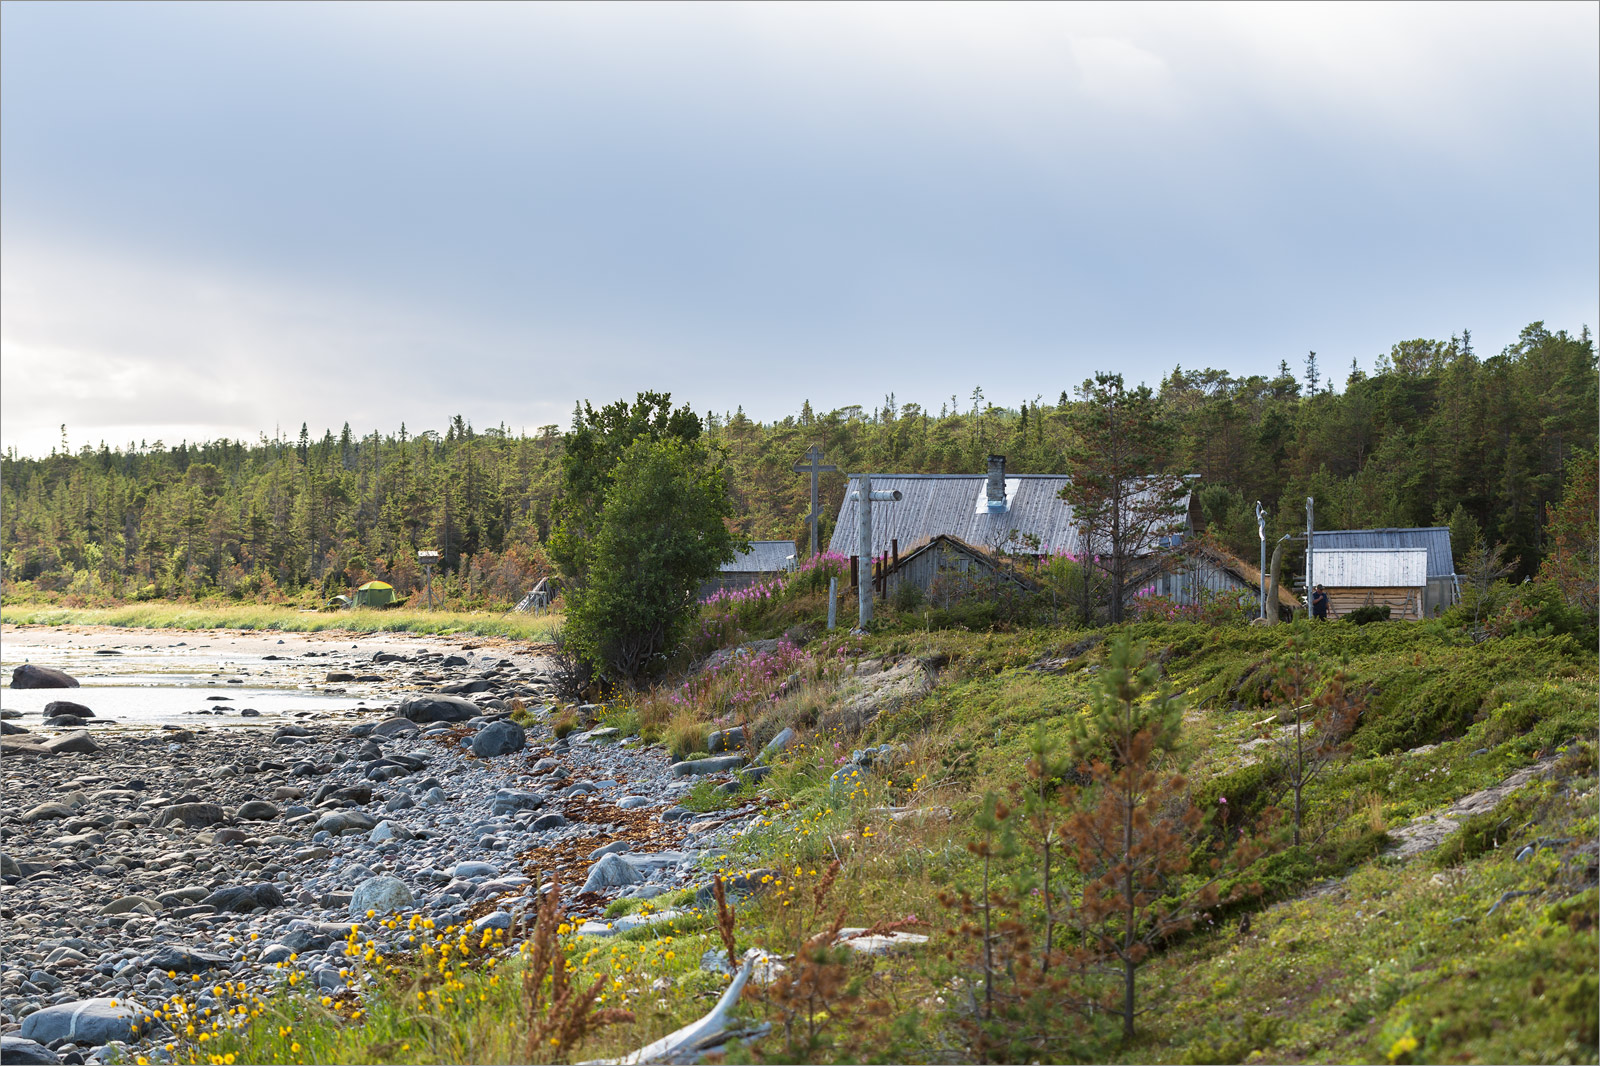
(1479, 950)
(289, 620)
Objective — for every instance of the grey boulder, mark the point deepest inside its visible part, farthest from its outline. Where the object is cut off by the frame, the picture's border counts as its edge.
(500, 738)
(30, 676)
(192, 815)
(438, 708)
(696, 767)
(55, 707)
(258, 811)
(15, 1049)
(87, 1021)
(610, 872)
(382, 894)
(245, 898)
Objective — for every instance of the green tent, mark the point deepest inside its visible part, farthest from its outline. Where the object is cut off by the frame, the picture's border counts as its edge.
(375, 594)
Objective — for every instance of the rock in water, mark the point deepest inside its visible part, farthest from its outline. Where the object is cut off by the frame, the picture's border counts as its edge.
(501, 738)
(438, 709)
(88, 1022)
(612, 871)
(382, 894)
(55, 707)
(30, 676)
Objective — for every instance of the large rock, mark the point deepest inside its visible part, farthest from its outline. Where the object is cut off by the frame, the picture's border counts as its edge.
(438, 709)
(258, 811)
(337, 822)
(393, 727)
(245, 898)
(509, 800)
(25, 1052)
(78, 743)
(89, 1022)
(193, 815)
(382, 894)
(55, 707)
(129, 904)
(612, 871)
(786, 736)
(179, 959)
(50, 809)
(30, 676)
(499, 738)
(696, 767)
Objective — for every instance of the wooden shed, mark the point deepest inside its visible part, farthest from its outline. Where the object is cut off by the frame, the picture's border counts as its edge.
(947, 569)
(1366, 577)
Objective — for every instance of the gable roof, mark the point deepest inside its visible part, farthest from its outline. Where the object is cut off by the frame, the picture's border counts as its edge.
(1364, 568)
(952, 505)
(1246, 572)
(764, 557)
(978, 555)
(1434, 539)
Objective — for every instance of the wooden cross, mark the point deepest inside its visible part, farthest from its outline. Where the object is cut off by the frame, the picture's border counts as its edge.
(813, 466)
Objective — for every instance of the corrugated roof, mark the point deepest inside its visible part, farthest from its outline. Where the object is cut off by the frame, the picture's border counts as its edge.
(1434, 539)
(764, 557)
(949, 504)
(1366, 568)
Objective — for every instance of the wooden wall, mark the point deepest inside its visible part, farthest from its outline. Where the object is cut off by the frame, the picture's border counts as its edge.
(1404, 604)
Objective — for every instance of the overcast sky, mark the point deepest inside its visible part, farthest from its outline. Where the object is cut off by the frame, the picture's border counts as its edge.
(220, 219)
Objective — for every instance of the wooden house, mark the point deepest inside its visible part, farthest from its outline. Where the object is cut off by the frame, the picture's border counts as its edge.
(1366, 577)
(765, 560)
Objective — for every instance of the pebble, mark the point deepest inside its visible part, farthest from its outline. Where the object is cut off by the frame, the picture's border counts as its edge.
(297, 873)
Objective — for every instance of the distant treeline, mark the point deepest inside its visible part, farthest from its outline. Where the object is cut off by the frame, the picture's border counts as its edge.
(1434, 435)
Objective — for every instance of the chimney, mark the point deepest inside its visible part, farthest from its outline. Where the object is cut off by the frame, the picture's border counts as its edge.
(997, 484)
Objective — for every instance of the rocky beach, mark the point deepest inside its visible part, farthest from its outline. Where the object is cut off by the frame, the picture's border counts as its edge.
(216, 858)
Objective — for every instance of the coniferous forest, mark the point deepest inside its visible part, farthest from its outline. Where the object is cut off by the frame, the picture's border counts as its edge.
(1434, 433)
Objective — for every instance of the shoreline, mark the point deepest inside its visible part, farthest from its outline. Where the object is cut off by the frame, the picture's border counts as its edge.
(219, 853)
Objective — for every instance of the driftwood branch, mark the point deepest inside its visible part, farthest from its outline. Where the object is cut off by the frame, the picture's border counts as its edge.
(688, 1043)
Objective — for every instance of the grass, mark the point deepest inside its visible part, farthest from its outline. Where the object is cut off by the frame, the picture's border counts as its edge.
(1348, 956)
(537, 629)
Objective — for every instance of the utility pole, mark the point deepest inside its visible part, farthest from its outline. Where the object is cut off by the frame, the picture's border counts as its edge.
(1311, 513)
(813, 465)
(865, 497)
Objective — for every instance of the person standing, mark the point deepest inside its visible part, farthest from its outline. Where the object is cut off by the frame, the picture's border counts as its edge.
(1319, 603)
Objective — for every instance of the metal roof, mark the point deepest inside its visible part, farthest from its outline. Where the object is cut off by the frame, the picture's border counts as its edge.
(764, 557)
(1367, 568)
(1435, 539)
(953, 505)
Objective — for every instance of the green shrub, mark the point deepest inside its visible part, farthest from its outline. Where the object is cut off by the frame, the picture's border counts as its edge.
(1372, 612)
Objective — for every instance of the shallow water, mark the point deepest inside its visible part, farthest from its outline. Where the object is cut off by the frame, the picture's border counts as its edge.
(149, 685)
